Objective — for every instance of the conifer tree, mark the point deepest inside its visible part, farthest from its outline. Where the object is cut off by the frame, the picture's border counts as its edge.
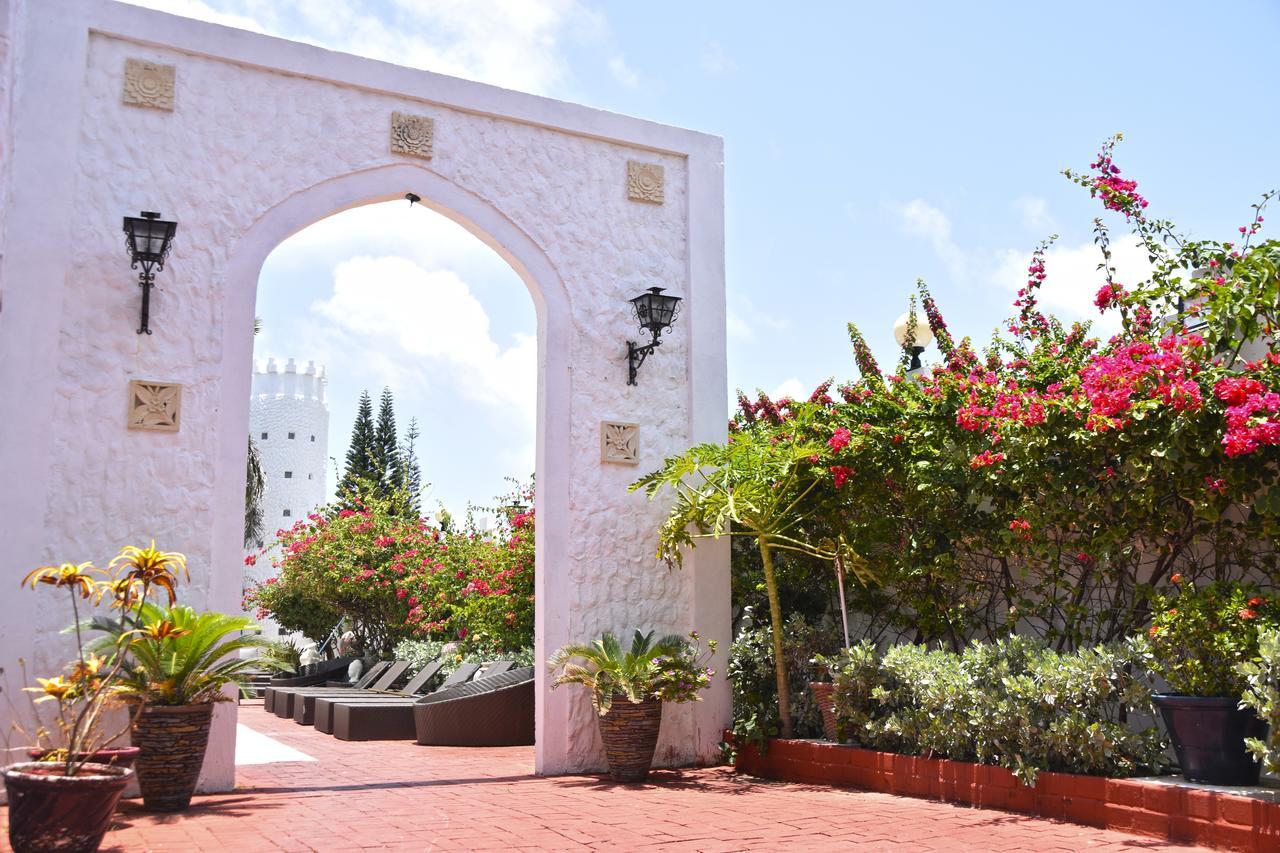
(386, 450)
(361, 454)
(412, 484)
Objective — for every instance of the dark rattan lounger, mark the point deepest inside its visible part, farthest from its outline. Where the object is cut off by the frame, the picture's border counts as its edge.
(386, 681)
(392, 720)
(304, 704)
(495, 711)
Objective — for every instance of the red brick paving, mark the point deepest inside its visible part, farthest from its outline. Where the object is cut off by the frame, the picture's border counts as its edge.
(393, 795)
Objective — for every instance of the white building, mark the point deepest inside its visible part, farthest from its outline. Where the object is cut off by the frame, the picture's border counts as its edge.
(289, 421)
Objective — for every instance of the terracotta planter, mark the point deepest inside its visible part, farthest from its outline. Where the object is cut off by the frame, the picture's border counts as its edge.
(114, 756)
(49, 811)
(1208, 736)
(172, 740)
(630, 735)
(824, 694)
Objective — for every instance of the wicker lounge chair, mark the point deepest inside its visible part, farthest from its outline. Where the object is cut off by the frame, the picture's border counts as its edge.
(386, 720)
(285, 703)
(310, 676)
(304, 704)
(495, 711)
(277, 701)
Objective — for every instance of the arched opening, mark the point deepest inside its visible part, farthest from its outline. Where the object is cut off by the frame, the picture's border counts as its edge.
(550, 435)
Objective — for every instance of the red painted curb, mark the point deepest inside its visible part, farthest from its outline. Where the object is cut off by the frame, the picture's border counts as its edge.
(1211, 818)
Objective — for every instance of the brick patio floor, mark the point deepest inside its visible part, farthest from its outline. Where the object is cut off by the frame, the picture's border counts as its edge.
(401, 796)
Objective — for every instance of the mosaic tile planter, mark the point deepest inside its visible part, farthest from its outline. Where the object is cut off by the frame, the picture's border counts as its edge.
(171, 742)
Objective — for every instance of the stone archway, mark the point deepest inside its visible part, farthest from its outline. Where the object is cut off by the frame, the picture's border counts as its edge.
(245, 139)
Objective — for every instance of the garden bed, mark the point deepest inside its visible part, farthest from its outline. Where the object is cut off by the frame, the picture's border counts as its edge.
(1165, 808)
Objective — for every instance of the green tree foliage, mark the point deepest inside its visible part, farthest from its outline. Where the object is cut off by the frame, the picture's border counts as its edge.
(386, 452)
(412, 481)
(255, 484)
(362, 458)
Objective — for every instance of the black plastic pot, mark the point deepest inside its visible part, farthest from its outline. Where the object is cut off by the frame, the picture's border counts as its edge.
(1208, 736)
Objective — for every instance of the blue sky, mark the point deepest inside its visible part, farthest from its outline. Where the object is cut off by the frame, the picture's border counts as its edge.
(866, 145)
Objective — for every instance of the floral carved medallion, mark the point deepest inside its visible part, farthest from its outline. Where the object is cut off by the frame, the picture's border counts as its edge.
(619, 442)
(645, 182)
(154, 405)
(147, 84)
(413, 135)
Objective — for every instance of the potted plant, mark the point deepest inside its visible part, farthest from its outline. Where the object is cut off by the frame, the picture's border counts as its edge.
(1197, 641)
(65, 801)
(629, 687)
(824, 696)
(179, 662)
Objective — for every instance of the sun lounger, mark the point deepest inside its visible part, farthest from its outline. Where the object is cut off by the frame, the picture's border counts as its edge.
(393, 720)
(494, 711)
(325, 706)
(304, 704)
(285, 702)
(311, 675)
(269, 698)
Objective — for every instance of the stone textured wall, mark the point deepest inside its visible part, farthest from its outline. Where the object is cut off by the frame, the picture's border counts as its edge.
(244, 142)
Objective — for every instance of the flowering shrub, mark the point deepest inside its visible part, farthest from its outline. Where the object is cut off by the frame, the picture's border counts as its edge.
(1012, 703)
(401, 577)
(1052, 482)
(1202, 634)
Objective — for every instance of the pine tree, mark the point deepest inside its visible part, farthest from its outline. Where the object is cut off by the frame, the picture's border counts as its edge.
(412, 484)
(386, 450)
(361, 455)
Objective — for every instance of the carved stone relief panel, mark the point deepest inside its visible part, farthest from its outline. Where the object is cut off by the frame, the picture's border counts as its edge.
(155, 405)
(645, 182)
(148, 84)
(413, 135)
(619, 442)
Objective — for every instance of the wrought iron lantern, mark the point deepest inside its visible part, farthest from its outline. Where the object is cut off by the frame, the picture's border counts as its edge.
(923, 337)
(149, 239)
(654, 312)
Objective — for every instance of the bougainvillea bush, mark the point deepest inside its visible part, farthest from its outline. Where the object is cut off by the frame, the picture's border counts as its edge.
(398, 578)
(1053, 482)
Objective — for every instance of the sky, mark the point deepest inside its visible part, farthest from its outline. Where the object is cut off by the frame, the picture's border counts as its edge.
(866, 145)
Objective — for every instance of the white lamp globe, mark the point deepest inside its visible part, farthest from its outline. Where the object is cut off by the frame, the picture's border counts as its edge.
(924, 335)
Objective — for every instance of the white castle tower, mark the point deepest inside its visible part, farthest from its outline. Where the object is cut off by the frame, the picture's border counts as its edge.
(289, 421)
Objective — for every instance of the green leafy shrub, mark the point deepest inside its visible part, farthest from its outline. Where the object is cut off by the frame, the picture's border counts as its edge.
(1012, 703)
(1262, 694)
(419, 653)
(752, 675)
(1201, 635)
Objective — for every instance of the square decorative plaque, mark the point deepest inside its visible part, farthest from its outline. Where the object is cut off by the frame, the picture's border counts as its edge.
(147, 84)
(645, 182)
(413, 135)
(154, 405)
(619, 442)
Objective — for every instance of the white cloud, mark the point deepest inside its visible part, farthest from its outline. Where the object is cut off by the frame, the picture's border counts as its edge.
(511, 43)
(1034, 213)
(420, 323)
(922, 219)
(623, 73)
(740, 308)
(790, 388)
(716, 60)
(1072, 278)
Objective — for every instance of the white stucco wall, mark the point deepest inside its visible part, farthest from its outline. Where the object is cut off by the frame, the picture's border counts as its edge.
(266, 137)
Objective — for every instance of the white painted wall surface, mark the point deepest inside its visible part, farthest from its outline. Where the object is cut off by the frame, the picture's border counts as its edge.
(268, 136)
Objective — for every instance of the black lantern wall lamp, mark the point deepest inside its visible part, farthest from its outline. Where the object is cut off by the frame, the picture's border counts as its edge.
(149, 238)
(654, 312)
